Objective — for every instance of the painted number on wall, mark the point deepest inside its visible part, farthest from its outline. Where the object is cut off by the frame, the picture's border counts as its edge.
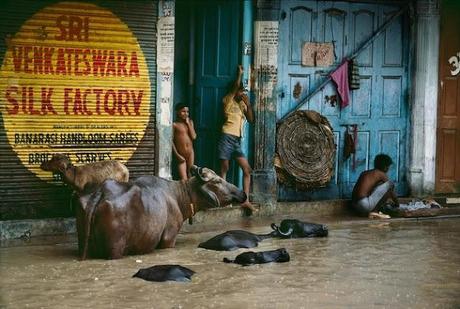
(455, 62)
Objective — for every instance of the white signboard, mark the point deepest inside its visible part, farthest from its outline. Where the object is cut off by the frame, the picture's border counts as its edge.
(165, 44)
(266, 55)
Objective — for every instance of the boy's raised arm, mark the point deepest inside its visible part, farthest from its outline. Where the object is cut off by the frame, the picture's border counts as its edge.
(191, 128)
(249, 113)
(237, 81)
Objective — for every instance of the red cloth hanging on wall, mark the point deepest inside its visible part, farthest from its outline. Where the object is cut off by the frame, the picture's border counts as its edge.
(340, 77)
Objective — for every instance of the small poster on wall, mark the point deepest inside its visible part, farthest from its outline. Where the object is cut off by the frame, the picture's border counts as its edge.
(317, 54)
(165, 43)
(266, 34)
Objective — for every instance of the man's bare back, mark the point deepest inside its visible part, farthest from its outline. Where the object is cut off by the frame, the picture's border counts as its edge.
(367, 182)
(373, 188)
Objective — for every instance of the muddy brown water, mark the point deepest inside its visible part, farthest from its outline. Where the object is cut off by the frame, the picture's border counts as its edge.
(401, 264)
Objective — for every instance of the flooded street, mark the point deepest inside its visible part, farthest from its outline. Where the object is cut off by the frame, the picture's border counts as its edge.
(402, 264)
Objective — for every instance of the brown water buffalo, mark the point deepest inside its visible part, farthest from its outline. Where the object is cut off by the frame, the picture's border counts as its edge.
(118, 219)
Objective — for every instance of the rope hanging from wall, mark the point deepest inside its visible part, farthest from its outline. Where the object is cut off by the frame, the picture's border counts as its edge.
(305, 150)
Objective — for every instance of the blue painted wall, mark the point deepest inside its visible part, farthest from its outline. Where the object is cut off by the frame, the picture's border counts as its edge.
(379, 107)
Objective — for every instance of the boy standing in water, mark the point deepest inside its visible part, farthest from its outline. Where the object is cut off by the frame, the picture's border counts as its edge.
(373, 188)
(237, 109)
(183, 136)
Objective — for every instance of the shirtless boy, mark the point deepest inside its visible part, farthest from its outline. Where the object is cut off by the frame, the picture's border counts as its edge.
(183, 136)
(373, 188)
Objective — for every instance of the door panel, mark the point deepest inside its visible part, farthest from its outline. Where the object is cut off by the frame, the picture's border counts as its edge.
(364, 22)
(378, 107)
(217, 50)
(302, 20)
(448, 128)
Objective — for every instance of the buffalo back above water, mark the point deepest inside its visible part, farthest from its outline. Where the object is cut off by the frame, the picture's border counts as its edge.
(160, 273)
(250, 257)
(232, 240)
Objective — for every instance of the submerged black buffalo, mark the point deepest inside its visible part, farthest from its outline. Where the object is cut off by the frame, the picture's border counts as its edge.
(117, 218)
(160, 273)
(289, 228)
(232, 240)
(249, 258)
(292, 228)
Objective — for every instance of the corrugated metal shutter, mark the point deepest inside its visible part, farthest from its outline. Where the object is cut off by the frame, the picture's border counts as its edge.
(76, 78)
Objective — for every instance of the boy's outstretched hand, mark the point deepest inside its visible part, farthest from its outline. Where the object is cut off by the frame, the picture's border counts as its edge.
(240, 69)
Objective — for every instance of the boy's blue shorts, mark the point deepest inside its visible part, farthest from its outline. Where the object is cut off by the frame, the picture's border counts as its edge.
(229, 146)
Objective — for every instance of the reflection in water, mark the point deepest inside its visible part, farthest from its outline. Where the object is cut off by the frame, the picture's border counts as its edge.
(398, 265)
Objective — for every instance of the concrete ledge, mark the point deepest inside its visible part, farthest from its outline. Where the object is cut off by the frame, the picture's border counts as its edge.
(316, 208)
(14, 229)
(204, 220)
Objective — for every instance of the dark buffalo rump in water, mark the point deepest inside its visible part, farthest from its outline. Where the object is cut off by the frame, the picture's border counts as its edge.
(249, 258)
(232, 240)
(162, 273)
(289, 228)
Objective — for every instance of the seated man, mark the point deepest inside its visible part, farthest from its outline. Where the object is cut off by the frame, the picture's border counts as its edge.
(373, 188)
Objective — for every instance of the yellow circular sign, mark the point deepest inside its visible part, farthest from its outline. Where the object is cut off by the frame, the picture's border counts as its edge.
(74, 80)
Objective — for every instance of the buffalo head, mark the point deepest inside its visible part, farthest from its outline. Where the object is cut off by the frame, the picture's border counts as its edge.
(58, 163)
(292, 228)
(216, 191)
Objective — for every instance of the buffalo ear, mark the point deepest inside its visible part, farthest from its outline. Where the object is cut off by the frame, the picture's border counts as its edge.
(198, 172)
(201, 172)
(194, 170)
(206, 174)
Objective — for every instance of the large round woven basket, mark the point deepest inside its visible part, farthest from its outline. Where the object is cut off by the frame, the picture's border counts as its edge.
(305, 150)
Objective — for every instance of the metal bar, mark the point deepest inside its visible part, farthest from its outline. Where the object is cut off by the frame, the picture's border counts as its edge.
(246, 62)
(354, 55)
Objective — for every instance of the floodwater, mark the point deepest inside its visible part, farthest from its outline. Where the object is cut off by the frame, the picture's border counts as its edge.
(401, 264)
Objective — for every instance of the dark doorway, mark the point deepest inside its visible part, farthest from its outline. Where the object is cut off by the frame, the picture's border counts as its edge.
(206, 56)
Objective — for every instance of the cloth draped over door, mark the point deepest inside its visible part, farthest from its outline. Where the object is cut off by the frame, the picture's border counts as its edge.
(340, 77)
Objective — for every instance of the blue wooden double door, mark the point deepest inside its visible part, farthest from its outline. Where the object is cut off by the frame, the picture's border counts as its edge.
(379, 107)
(217, 33)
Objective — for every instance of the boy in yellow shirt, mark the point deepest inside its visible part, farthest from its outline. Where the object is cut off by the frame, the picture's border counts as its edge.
(237, 109)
